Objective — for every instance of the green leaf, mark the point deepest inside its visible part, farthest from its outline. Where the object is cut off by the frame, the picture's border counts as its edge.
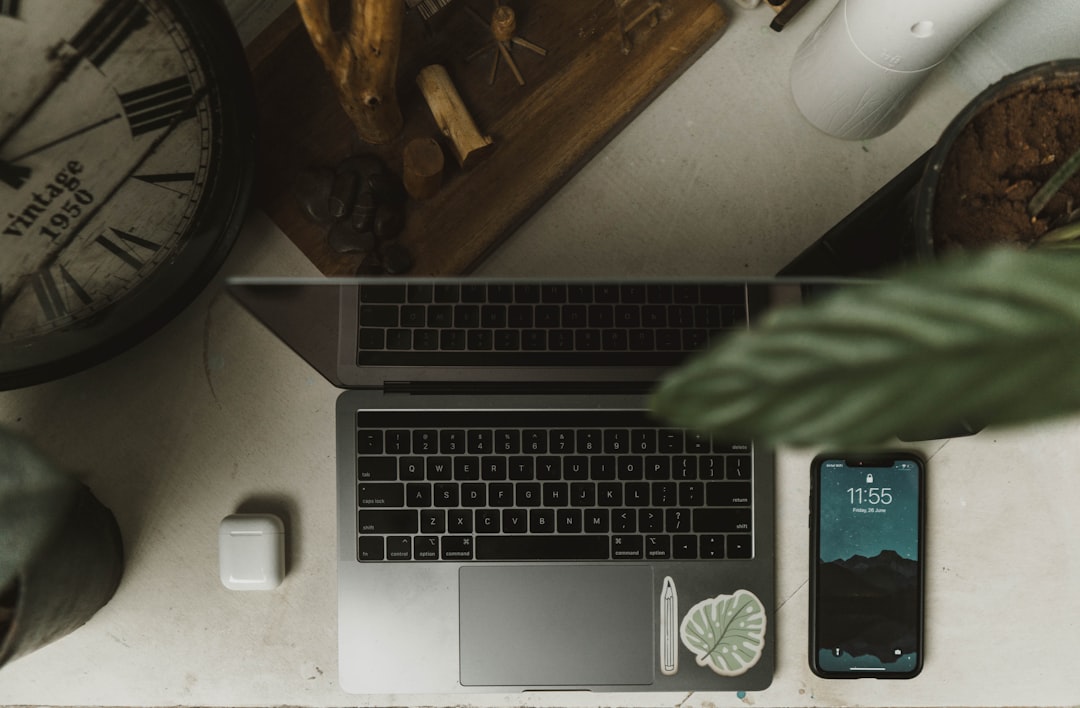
(1054, 184)
(726, 632)
(992, 339)
(34, 497)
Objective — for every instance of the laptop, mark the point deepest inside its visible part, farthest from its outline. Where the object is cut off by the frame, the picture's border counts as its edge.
(510, 517)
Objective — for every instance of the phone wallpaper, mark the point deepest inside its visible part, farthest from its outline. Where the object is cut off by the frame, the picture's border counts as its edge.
(868, 574)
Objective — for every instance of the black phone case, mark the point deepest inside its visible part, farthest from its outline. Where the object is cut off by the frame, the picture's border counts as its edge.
(870, 461)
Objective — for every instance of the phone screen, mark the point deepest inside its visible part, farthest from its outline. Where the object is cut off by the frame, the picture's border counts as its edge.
(866, 555)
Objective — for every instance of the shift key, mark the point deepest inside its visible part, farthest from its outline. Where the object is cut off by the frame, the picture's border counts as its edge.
(386, 521)
(721, 520)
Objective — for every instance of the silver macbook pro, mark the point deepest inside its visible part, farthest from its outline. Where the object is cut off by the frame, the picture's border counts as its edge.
(510, 517)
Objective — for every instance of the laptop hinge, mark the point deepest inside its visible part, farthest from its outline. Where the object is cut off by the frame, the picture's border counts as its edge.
(515, 388)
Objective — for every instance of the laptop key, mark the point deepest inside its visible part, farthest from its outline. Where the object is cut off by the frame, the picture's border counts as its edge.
(457, 548)
(553, 293)
(487, 521)
(721, 520)
(372, 339)
(500, 293)
(579, 292)
(588, 340)
(507, 442)
(684, 547)
(399, 339)
(369, 442)
(370, 548)
(426, 548)
(398, 548)
(433, 521)
(425, 442)
(568, 520)
(657, 547)
(412, 316)
(473, 293)
(677, 520)
(376, 469)
(453, 339)
(554, 547)
(381, 494)
(382, 293)
(711, 546)
(627, 547)
(542, 521)
(398, 442)
(727, 493)
(515, 520)
(425, 340)
(459, 521)
(387, 521)
(420, 293)
(738, 546)
(738, 467)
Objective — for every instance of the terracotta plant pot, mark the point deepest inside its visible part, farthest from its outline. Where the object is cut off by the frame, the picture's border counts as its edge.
(61, 556)
(994, 156)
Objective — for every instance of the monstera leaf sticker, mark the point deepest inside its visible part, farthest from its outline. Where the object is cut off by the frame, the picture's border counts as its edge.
(727, 632)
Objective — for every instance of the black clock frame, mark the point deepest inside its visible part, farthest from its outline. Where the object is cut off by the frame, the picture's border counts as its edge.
(204, 246)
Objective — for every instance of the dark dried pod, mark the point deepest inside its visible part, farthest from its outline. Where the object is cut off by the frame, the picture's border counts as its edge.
(342, 194)
(396, 259)
(312, 190)
(389, 222)
(363, 213)
(387, 188)
(343, 238)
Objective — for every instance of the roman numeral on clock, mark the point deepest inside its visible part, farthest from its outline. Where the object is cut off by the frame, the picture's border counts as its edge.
(13, 175)
(156, 106)
(126, 254)
(171, 181)
(51, 295)
(9, 8)
(166, 177)
(107, 29)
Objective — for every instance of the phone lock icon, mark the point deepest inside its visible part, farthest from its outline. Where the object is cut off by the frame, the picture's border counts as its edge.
(869, 479)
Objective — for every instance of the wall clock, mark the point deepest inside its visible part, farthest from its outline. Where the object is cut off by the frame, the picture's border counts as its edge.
(126, 160)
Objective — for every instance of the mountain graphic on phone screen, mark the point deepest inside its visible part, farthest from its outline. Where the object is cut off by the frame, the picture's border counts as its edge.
(875, 612)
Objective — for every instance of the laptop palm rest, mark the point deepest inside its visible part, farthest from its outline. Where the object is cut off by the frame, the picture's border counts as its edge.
(556, 625)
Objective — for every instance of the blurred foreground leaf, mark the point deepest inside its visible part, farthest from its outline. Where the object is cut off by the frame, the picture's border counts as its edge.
(993, 339)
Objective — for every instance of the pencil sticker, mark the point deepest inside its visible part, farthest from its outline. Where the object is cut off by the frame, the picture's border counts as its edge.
(727, 632)
(669, 632)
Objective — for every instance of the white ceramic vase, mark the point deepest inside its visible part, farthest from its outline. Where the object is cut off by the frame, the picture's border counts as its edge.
(854, 74)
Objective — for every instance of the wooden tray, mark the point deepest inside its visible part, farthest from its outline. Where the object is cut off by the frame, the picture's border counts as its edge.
(574, 101)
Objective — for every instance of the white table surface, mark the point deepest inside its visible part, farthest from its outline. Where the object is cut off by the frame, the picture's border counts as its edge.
(719, 176)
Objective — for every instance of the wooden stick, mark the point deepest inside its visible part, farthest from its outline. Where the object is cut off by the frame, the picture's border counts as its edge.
(452, 117)
(363, 63)
(423, 168)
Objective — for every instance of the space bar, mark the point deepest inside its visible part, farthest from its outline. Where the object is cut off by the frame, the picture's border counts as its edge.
(542, 548)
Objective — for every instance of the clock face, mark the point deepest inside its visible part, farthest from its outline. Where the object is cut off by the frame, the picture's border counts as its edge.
(125, 136)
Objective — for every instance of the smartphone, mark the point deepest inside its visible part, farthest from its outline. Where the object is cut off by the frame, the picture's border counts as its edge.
(867, 546)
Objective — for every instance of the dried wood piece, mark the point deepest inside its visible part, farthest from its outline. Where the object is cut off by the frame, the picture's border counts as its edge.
(423, 168)
(650, 12)
(452, 116)
(362, 63)
(503, 27)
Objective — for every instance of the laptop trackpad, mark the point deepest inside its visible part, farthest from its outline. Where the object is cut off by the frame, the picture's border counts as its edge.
(556, 625)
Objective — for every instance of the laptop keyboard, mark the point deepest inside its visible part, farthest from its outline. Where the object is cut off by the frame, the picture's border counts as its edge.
(524, 324)
(547, 485)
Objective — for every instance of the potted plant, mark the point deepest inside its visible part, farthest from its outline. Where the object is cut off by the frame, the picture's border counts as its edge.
(61, 555)
(984, 333)
(1005, 169)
